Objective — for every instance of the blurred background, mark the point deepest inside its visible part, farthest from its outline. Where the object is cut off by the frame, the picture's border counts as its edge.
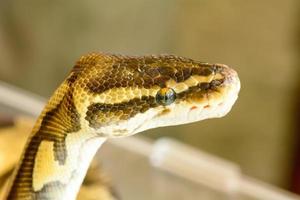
(41, 40)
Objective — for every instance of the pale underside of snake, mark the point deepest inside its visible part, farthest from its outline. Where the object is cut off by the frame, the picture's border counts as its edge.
(107, 96)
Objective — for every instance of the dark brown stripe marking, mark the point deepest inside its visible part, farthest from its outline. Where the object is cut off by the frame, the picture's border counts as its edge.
(76, 71)
(198, 92)
(100, 114)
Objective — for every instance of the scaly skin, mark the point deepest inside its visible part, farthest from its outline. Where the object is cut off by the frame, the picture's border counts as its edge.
(109, 96)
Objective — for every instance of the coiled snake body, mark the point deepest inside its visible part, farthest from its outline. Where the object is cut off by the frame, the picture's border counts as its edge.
(108, 96)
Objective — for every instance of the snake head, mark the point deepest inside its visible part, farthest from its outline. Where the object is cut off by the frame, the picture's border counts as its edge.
(199, 97)
(125, 95)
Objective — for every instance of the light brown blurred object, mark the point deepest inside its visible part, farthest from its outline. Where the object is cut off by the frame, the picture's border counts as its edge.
(97, 185)
(12, 141)
(6, 121)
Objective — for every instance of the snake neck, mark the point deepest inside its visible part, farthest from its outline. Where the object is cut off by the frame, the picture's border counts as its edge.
(57, 154)
(41, 176)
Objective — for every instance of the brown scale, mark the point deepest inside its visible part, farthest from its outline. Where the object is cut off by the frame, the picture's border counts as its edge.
(147, 71)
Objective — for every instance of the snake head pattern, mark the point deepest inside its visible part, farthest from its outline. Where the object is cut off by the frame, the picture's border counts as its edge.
(127, 95)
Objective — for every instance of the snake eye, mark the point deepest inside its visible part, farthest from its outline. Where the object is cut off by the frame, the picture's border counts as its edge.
(165, 96)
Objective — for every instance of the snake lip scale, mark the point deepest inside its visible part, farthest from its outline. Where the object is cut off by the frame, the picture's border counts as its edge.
(107, 96)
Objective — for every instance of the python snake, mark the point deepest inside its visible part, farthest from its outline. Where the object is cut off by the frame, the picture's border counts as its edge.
(107, 96)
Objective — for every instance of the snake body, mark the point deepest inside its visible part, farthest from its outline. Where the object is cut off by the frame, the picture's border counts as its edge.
(107, 96)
